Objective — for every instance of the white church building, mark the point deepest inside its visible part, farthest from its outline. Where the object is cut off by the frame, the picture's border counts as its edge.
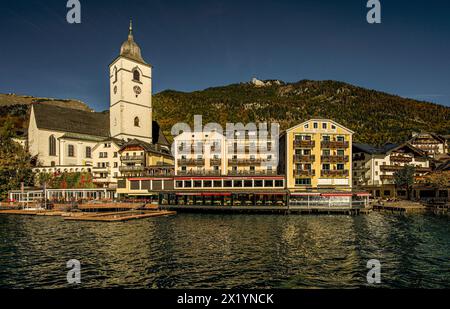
(69, 140)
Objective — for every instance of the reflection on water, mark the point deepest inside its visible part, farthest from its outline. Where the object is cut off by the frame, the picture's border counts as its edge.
(227, 251)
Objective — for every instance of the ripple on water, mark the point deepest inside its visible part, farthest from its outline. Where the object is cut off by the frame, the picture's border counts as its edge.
(227, 251)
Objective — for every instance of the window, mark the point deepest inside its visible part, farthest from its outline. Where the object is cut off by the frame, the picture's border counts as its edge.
(52, 145)
(324, 125)
(340, 167)
(136, 122)
(115, 74)
(303, 182)
(71, 151)
(326, 167)
(116, 164)
(326, 138)
(88, 152)
(316, 125)
(136, 75)
(340, 152)
(340, 139)
(115, 155)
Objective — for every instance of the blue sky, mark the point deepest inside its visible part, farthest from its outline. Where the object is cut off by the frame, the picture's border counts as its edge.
(197, 44)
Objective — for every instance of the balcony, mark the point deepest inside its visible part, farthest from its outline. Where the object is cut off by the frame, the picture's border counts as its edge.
(304, 159)
(334, 159)
(305, 173)
(395, 168)
(100, 169)
(304, 144)
(191, 162)
(335, 145)
(401, 159)
(131, 168)
(215, 162)
(252, 173)
(137, 159)
(198, 173)
(245, 161)
(335, 173)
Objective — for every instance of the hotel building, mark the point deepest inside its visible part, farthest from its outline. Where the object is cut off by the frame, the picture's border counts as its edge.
(317, 155)
(374, 168)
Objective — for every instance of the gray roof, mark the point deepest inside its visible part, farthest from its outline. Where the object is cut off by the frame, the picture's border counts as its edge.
(372, 149)
(69, 120)
(82, 123)
(154, 148)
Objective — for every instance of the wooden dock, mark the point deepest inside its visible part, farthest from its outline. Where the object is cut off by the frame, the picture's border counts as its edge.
(401, 207)
(117, 216)
(120, 216)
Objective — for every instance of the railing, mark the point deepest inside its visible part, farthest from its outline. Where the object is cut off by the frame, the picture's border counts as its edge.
(215, 161)
(309, 173)
(304, 144)
(334, 144)
(334, 159)
(403, 159)
(245, 161)
(252, 173)
(131, 168)
(191, 162)
(334, 173)
(300, 158)
(198, 173)
(395, 168)
(132, 158)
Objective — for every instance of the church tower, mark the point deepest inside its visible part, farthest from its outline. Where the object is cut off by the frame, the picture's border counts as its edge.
(131, 94)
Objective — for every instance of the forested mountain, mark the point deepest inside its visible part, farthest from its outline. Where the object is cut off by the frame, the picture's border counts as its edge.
(376, 117)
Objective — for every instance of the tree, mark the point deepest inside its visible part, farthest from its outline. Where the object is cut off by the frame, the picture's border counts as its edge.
(404, 179)
(439, 179)
(15, 161)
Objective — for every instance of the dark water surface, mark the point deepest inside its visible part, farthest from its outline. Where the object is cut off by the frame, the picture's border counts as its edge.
(227, 251)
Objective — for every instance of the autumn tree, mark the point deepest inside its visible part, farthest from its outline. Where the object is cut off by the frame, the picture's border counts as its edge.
(404, 179)
(15, 161)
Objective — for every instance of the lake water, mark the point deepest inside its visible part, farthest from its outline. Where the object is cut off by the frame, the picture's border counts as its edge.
(227, 251)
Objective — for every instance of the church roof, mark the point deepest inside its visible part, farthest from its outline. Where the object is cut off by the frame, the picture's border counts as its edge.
(83, 125)
(55, 118)
(130, 49)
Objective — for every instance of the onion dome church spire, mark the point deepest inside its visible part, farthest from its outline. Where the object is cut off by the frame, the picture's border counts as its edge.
(130, 49)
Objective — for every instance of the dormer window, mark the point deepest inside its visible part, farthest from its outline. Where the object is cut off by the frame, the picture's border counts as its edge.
(136, 122)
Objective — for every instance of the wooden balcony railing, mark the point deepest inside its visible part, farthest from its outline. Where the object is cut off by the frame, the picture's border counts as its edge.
(132, 158)
(301, 159)
(304, 144)
(245, 161)
(395, 168)
(215, 161)
(403, 159)
(335, 159)
(334, 173)
(132, 168)
(305, 173)
(191, 162)
(335, 145)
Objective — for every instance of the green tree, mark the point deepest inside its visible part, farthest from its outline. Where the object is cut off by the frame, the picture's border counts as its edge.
(404, 179)
(15, 162)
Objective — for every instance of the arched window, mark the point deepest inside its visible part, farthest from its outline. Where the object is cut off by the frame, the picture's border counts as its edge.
(136, 75)
(52, 145)
(136, 122)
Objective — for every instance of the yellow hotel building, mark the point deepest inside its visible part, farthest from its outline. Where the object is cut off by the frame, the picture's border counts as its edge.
(318, 156)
